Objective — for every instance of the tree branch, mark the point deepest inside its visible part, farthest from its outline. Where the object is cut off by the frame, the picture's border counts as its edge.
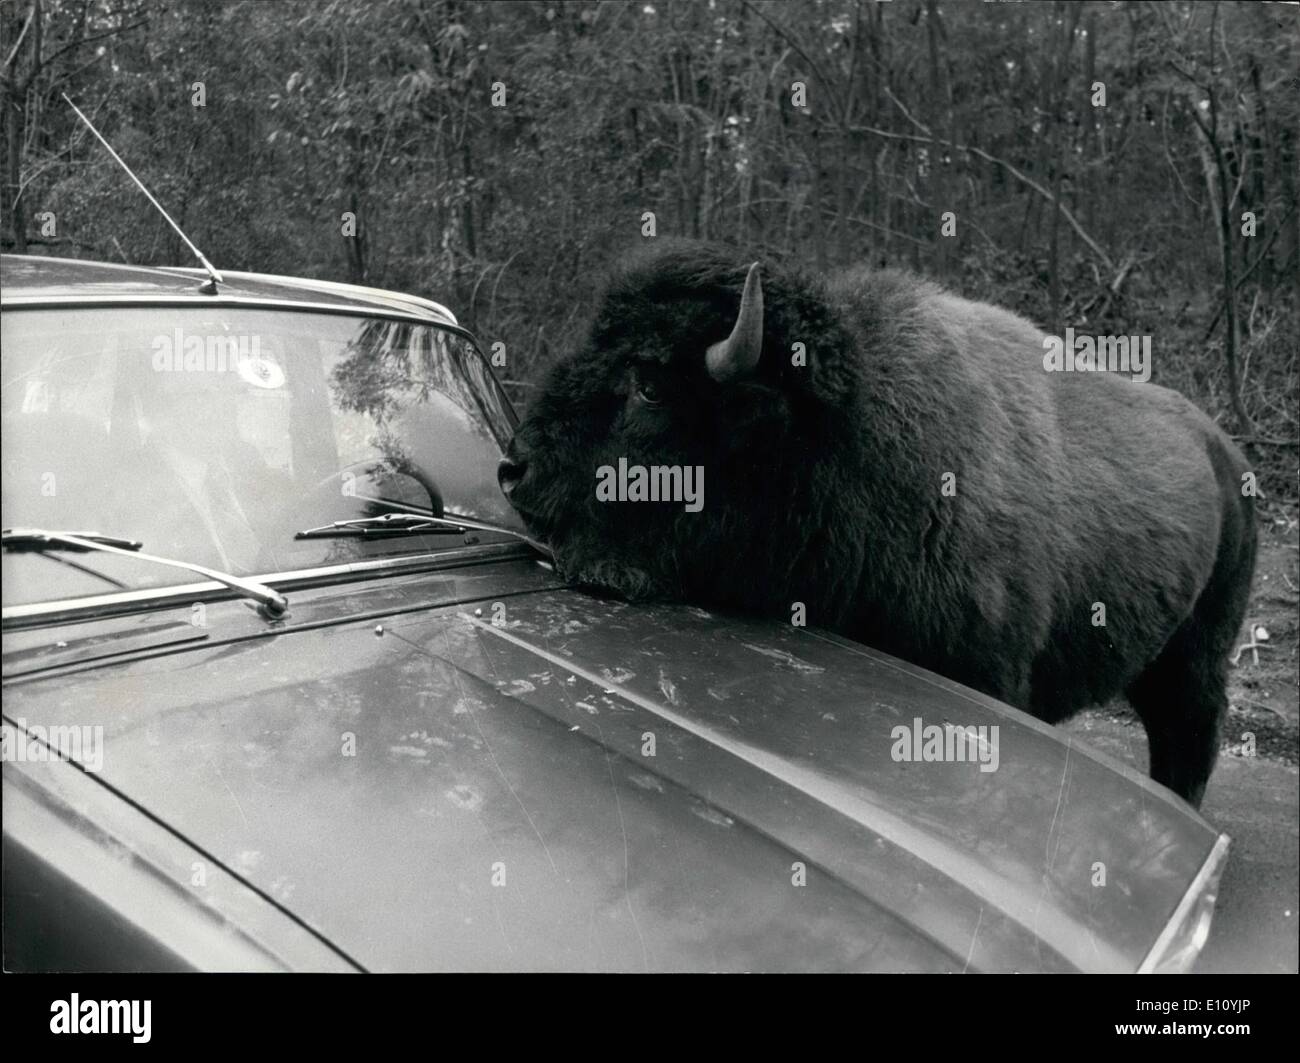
(1249, 270)
(87, 40)
(812, 63)
(1030, 182)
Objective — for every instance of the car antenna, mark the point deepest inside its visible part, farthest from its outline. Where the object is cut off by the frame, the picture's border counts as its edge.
(209, 287)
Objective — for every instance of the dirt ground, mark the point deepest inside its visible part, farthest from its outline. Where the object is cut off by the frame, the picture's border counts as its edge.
(1265, 695)
(1254, 796)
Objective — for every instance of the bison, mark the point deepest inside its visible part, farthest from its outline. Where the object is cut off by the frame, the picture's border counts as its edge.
(902, 462)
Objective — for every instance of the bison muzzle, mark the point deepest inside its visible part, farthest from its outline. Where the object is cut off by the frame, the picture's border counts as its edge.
(902, 462)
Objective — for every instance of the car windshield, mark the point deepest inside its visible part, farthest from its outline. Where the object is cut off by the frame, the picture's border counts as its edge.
(213, 435)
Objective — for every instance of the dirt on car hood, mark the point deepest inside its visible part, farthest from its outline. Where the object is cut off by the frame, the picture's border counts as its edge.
(494, 772)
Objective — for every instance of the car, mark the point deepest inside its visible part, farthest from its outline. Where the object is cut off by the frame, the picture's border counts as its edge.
(288, 686)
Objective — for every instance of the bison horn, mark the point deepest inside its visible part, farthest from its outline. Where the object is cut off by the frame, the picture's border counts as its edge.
(738, 354)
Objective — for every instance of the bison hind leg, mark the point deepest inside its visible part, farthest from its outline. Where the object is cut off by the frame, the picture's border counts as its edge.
(1181, 697)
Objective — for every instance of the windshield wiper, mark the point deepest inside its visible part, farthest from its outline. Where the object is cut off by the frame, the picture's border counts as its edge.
(17, 538)
(404, 522)
(272, 603)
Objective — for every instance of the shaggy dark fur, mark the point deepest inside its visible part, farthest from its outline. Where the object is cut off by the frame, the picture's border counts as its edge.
(823, 486)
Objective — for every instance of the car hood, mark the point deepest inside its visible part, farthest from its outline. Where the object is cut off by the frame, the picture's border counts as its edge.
(497, 772)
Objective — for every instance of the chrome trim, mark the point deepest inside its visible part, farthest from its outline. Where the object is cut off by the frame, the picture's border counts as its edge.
(100, 605)
(356, 291)
(72, 301)
(1212, 867)
(337, 287)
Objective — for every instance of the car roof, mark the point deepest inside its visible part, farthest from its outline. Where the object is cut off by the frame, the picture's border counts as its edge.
(36, 280)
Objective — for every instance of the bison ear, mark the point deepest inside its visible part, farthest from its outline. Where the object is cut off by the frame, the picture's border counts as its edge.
(738, 354)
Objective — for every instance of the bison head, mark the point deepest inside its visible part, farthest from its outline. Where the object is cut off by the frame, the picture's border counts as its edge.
(693, 363)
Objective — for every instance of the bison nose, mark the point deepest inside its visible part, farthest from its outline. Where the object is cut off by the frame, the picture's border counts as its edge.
(509, 474)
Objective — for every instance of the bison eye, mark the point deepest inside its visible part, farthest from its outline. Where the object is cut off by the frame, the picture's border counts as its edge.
(649, 392)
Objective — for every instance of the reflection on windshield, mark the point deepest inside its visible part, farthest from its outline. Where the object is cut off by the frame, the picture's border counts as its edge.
(213, 435)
